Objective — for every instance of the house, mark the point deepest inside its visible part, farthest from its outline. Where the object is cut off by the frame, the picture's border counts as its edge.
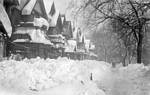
(3, 42)
(5, 21)
(67, 29)
(33, 23)
(29, 36)
(55, 26)
(55, 31)
(2, 46)
(63, 18)
(5, 31)
(76, 46)
(70, 49)
(80, 38)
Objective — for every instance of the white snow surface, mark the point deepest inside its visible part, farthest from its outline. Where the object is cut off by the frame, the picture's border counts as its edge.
(131, 80)
(37, 35)
(40, 22)
(69, 77)
(52, 77)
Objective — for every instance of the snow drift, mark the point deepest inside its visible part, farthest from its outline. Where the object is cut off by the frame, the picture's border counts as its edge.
(69, 77)
(52, 77)
(131, 80)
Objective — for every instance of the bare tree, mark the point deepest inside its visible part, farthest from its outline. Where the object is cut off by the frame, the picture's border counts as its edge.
(129, 15)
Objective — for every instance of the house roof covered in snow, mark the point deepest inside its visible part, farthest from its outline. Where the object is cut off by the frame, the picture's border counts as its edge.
(5, 20)
(48, 5)
(63, 18)
(54, 18)
(67, 29)
(36, 35)
(42, 7)
(72, 44)
(28, 7)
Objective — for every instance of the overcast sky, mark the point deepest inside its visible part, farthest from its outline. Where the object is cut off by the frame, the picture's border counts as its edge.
(61, 5)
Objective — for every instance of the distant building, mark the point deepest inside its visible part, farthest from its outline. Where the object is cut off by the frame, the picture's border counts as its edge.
(29, 36)
(5, 32)
(55, 26)
(38, 29)
(67, 30)
(3, 43)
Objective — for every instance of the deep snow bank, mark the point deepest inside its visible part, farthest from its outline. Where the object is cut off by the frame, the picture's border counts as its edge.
(131, 80)
(53, 77)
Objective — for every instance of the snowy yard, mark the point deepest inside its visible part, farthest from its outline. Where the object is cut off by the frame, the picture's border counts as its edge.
(69, 77)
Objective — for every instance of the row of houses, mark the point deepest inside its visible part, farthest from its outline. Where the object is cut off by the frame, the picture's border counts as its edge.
(39, 29)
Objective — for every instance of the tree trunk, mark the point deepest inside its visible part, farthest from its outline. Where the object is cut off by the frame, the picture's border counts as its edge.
(124, 59)
(139, 47)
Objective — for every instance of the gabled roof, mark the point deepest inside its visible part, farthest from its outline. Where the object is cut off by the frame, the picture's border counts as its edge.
(54, 18)
(52, 10)
(67, 28)
(48, 5)
(42, 7)
(22, 3)
(78, 35)
(5, 20)
(67, 24)
(28, 7)
(63, 18)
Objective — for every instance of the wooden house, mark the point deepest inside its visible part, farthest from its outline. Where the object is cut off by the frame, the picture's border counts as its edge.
(63, 18)
(67, 30)
(76, 46)
(70, 49)
(55, 30)
(5, 21)
(55, 21)
(56, 26)
(80, 41)
(5, 31)
(3, 42)
(2, 46)
(29, 37)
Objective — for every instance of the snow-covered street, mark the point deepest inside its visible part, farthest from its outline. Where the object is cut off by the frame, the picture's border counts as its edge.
(131, 80)
(68, 77)
(52, 47)
(52, 77)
